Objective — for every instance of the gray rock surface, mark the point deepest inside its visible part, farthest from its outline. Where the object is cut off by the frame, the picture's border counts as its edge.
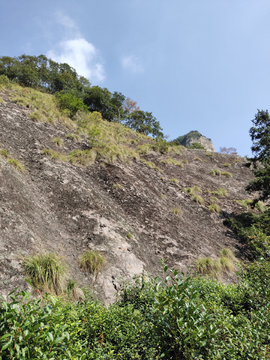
(67, 209)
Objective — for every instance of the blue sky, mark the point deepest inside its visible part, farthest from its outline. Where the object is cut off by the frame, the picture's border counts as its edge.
(195, 64)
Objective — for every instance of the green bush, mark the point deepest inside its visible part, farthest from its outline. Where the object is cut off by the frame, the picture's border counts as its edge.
(70, 104)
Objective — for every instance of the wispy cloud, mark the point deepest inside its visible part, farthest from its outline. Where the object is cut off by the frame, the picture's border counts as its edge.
(133, 64)
(77, 51)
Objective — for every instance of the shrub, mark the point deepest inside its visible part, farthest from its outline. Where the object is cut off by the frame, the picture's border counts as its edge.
(215, 172)
(214, 208)
(92, 261)
(45, 271)
(196, 145)
(261, 206)
(208, 266)
(174, 181)
(70, 104)
(227, 174)
(177, 211)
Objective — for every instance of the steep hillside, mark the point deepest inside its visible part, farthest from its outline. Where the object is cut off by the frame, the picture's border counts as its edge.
(114, 194)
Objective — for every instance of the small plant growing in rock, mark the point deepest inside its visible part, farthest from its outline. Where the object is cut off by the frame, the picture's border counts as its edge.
(220, 192)
(198, 159)
(208, 266)
(199, 200)
(214, 208)
(74, 137)
(45, 271)
(209, 154)
(16, 164)
(55, 155)
(92, 262)
(174, 181)
(215, 172)
(177, 211)
(129, 236)
(163, 196)
(185, 161)
(226, 165)
(117, 186)
(226, 265)
(4, 153)
(227, 253)
(214, 200)
(227, 174)
(58, 141)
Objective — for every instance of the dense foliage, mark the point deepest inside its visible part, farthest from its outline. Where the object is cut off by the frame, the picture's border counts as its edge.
(260, 135)
(75, 93)
(178, 318)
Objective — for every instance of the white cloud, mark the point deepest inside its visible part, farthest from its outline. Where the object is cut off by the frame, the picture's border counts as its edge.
(65, 20)
(77, 51)
(82, 56)
(133, 64)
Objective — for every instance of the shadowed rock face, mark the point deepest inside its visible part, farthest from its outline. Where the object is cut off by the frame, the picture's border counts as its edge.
(66, 209)
(196, 137)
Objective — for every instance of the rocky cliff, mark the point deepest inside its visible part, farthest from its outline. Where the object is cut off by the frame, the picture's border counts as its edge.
(134, 210)
(196, 137)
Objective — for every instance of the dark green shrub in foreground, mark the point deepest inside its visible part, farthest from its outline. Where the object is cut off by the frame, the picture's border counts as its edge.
(178, 318)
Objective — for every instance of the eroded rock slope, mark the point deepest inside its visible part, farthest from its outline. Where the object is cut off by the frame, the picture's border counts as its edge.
(63, 208)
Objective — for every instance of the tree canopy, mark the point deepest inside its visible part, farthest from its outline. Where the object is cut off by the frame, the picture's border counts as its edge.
(75, 92)
(260, 135)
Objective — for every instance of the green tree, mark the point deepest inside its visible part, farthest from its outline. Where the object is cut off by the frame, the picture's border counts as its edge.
(260, 135)
(144, 122)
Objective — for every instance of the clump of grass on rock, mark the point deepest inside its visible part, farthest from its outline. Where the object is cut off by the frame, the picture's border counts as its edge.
(92, 261)
(13, 162)
(45, 271)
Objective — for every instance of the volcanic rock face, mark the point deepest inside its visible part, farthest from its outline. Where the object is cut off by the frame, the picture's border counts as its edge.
(196, 137)
(65, 209)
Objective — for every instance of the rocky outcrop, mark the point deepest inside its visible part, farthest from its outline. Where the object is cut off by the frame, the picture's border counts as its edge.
(63, 208)
(196, 137)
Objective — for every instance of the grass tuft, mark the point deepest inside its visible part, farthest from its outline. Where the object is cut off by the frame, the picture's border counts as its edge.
(214, 200)
(175, 181)
(226, 165)
(199, 200)
(214, 208)
(215, 172)
(227, 253)
(45, 271)
(171, 161)
(73, 137)
(117, 186)
(57, 141)
(220, 192)
(227, 174)
(177, 211)
(227, 265)
(208, 266)
(198, 159)
(16, 164)
(92, 261)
